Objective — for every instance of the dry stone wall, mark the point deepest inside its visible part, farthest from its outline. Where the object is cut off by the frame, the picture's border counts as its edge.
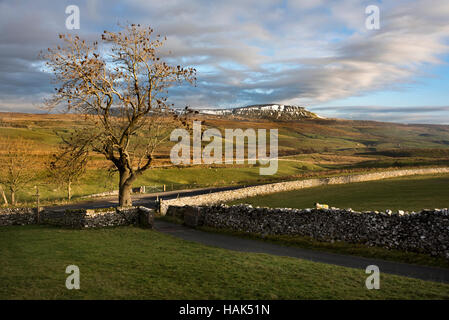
(17, 216)
(426, 231)
(225, 196)
(83, 218)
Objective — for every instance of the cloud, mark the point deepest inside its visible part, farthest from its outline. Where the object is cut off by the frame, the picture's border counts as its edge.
(303, 52)
(423, 114)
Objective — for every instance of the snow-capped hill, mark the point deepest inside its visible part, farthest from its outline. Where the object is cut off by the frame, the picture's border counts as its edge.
(274, 107)
(275, 111)
(264, 111)
(218, 112)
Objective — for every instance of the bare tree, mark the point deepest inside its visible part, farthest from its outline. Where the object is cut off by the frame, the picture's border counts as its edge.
(16, 166)
(120, 85)
(69, 163)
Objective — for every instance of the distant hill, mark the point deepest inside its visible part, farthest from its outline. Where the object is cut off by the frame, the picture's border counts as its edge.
(364, 138)
(264, 111)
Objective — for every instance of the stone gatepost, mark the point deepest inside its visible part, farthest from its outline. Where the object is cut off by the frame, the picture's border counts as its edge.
(146, 218)
(192, 216)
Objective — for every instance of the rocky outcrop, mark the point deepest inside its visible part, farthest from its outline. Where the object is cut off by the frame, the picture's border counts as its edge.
(426, 231)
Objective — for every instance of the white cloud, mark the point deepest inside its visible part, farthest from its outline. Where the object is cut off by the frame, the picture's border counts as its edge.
(298, 51)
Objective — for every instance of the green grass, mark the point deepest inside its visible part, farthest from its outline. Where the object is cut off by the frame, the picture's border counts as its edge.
(96, 181)
(405, 193)
(132, 263)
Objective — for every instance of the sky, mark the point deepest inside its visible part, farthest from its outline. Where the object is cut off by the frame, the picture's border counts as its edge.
(313, 53)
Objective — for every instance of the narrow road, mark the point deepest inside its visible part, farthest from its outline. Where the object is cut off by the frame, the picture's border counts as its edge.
(257, 246)
(146, 199)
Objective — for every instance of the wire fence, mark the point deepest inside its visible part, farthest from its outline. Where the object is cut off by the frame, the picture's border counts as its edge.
(177, 186)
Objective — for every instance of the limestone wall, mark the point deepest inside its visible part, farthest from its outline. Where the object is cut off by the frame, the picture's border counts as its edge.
(426, 231)
(17, 216)
(225, 196)
(79, 218)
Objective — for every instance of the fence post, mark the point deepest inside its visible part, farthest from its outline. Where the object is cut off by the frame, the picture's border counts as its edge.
(38, 205)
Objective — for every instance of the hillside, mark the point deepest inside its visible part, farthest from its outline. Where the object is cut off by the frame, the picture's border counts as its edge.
(295, 136)
(307, 147)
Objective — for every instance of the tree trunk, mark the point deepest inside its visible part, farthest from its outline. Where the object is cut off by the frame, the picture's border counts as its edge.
(69, 190)
(4, 196)
(124, 194)
(13, 198)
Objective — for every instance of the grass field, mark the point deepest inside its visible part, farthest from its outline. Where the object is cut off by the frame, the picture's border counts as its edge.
(132, 263)
(99, 180)
(411, 193)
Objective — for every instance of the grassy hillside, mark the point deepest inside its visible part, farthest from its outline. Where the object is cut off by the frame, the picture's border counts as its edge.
(305, 147)
(132, 263)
